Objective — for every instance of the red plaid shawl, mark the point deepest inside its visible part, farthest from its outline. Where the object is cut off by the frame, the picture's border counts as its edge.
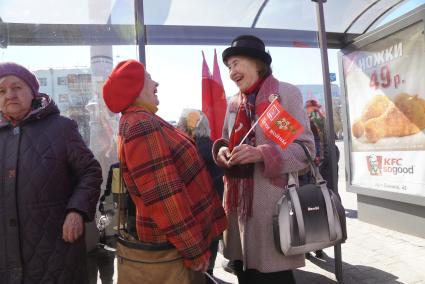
(170, 186)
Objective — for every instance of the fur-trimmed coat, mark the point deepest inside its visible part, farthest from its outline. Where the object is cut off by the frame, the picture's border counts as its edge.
(251, 239)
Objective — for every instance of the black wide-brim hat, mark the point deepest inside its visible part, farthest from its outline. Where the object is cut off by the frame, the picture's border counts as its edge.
(250, 46)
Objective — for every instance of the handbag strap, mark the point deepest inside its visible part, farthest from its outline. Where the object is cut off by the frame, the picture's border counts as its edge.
(120, 192)
(121, 209)
(315, 169)
(298, 214)
(329, 211)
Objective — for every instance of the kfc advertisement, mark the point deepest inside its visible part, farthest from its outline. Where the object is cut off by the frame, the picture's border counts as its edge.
(386, 108)
(399, 171)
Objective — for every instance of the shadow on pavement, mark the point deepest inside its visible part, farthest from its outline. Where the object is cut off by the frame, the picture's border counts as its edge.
(352, 274)
(302, 276)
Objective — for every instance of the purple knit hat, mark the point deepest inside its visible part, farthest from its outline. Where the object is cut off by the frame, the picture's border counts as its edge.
(10, 68)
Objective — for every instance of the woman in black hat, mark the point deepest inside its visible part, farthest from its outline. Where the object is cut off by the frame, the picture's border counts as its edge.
(256, 171)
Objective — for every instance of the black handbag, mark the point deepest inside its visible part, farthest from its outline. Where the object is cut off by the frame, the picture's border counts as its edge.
(308, 217)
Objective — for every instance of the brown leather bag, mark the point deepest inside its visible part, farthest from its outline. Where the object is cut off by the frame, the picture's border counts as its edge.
(153, 266)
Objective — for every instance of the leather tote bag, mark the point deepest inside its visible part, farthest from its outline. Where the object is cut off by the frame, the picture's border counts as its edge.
(310, 217)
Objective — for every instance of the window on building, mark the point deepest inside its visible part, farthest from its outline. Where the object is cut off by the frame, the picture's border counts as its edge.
(63, 98)
(62, 80)
(42, 81)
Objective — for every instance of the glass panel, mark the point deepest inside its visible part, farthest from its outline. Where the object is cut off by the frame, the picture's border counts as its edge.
(231, 13)
(367, 18)
(398, 11)
(74, 75)
(301, 15)
(276, 14)
(67, 11)
(288, 14)
(180, 77)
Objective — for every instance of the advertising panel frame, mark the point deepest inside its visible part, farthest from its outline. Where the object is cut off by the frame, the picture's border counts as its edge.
(412, 18)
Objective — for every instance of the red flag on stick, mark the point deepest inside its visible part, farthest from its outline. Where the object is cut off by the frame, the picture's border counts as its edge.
(278, 125)
(214, 102)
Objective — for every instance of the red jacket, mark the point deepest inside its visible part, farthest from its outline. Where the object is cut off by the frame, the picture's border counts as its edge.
(169, 185)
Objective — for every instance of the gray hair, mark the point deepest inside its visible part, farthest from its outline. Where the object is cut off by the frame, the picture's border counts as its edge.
(201, 128)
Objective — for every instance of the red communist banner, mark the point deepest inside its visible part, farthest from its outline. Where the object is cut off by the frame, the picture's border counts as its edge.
(214, 102)
(278, 125)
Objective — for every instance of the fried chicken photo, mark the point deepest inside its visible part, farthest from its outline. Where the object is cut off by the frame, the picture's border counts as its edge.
(392, 123)
(412, 107)
(374, 108)
(383, 118)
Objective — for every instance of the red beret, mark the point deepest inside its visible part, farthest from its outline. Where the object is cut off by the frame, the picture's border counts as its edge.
(124, 85)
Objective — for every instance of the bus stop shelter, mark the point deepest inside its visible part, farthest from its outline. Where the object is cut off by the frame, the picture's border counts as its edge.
(104, 27)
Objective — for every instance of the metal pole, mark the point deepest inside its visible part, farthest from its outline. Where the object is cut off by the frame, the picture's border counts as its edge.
(330, 132)
(140, 30)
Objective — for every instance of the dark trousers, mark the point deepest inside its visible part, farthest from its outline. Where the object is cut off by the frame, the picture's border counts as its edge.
(100, 260)
(253, 276)
(213, 249)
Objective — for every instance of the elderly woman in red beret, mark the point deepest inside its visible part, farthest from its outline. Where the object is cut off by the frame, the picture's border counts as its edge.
(256, 171)
(50, 184)
(179, 213)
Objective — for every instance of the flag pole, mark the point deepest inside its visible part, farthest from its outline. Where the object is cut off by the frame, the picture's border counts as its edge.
(252, 127)
(249, 131)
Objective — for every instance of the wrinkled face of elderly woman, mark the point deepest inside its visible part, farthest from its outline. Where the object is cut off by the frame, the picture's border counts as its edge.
(15, 97)
(243, 71)
(148, 93)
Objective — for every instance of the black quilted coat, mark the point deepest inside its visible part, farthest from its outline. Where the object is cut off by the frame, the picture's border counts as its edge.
(46, 171)
(204, 145)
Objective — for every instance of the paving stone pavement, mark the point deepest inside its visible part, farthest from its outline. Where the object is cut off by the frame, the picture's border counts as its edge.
(371, 254)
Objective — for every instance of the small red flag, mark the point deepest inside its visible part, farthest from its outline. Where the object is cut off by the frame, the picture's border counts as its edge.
(214, 103)
(278, 125)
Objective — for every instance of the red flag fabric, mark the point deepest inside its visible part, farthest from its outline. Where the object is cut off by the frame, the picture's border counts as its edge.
(278, 125)
(214, 102)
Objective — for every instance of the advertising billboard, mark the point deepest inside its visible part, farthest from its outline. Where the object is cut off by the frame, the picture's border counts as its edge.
(385, 94)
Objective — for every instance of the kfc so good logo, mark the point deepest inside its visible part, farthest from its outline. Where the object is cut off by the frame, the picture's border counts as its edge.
(379, 164)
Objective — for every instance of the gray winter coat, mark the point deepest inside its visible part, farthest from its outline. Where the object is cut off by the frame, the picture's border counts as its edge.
(46, 171)
(251, 239)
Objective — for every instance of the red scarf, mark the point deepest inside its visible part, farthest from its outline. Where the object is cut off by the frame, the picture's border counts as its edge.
(239, 178)
(243, 120)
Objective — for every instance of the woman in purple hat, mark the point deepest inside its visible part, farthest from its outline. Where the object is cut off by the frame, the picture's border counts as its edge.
(50, 184)
(256, 172)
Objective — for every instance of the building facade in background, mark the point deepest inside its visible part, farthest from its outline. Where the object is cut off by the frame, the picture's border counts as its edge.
(71, 89)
